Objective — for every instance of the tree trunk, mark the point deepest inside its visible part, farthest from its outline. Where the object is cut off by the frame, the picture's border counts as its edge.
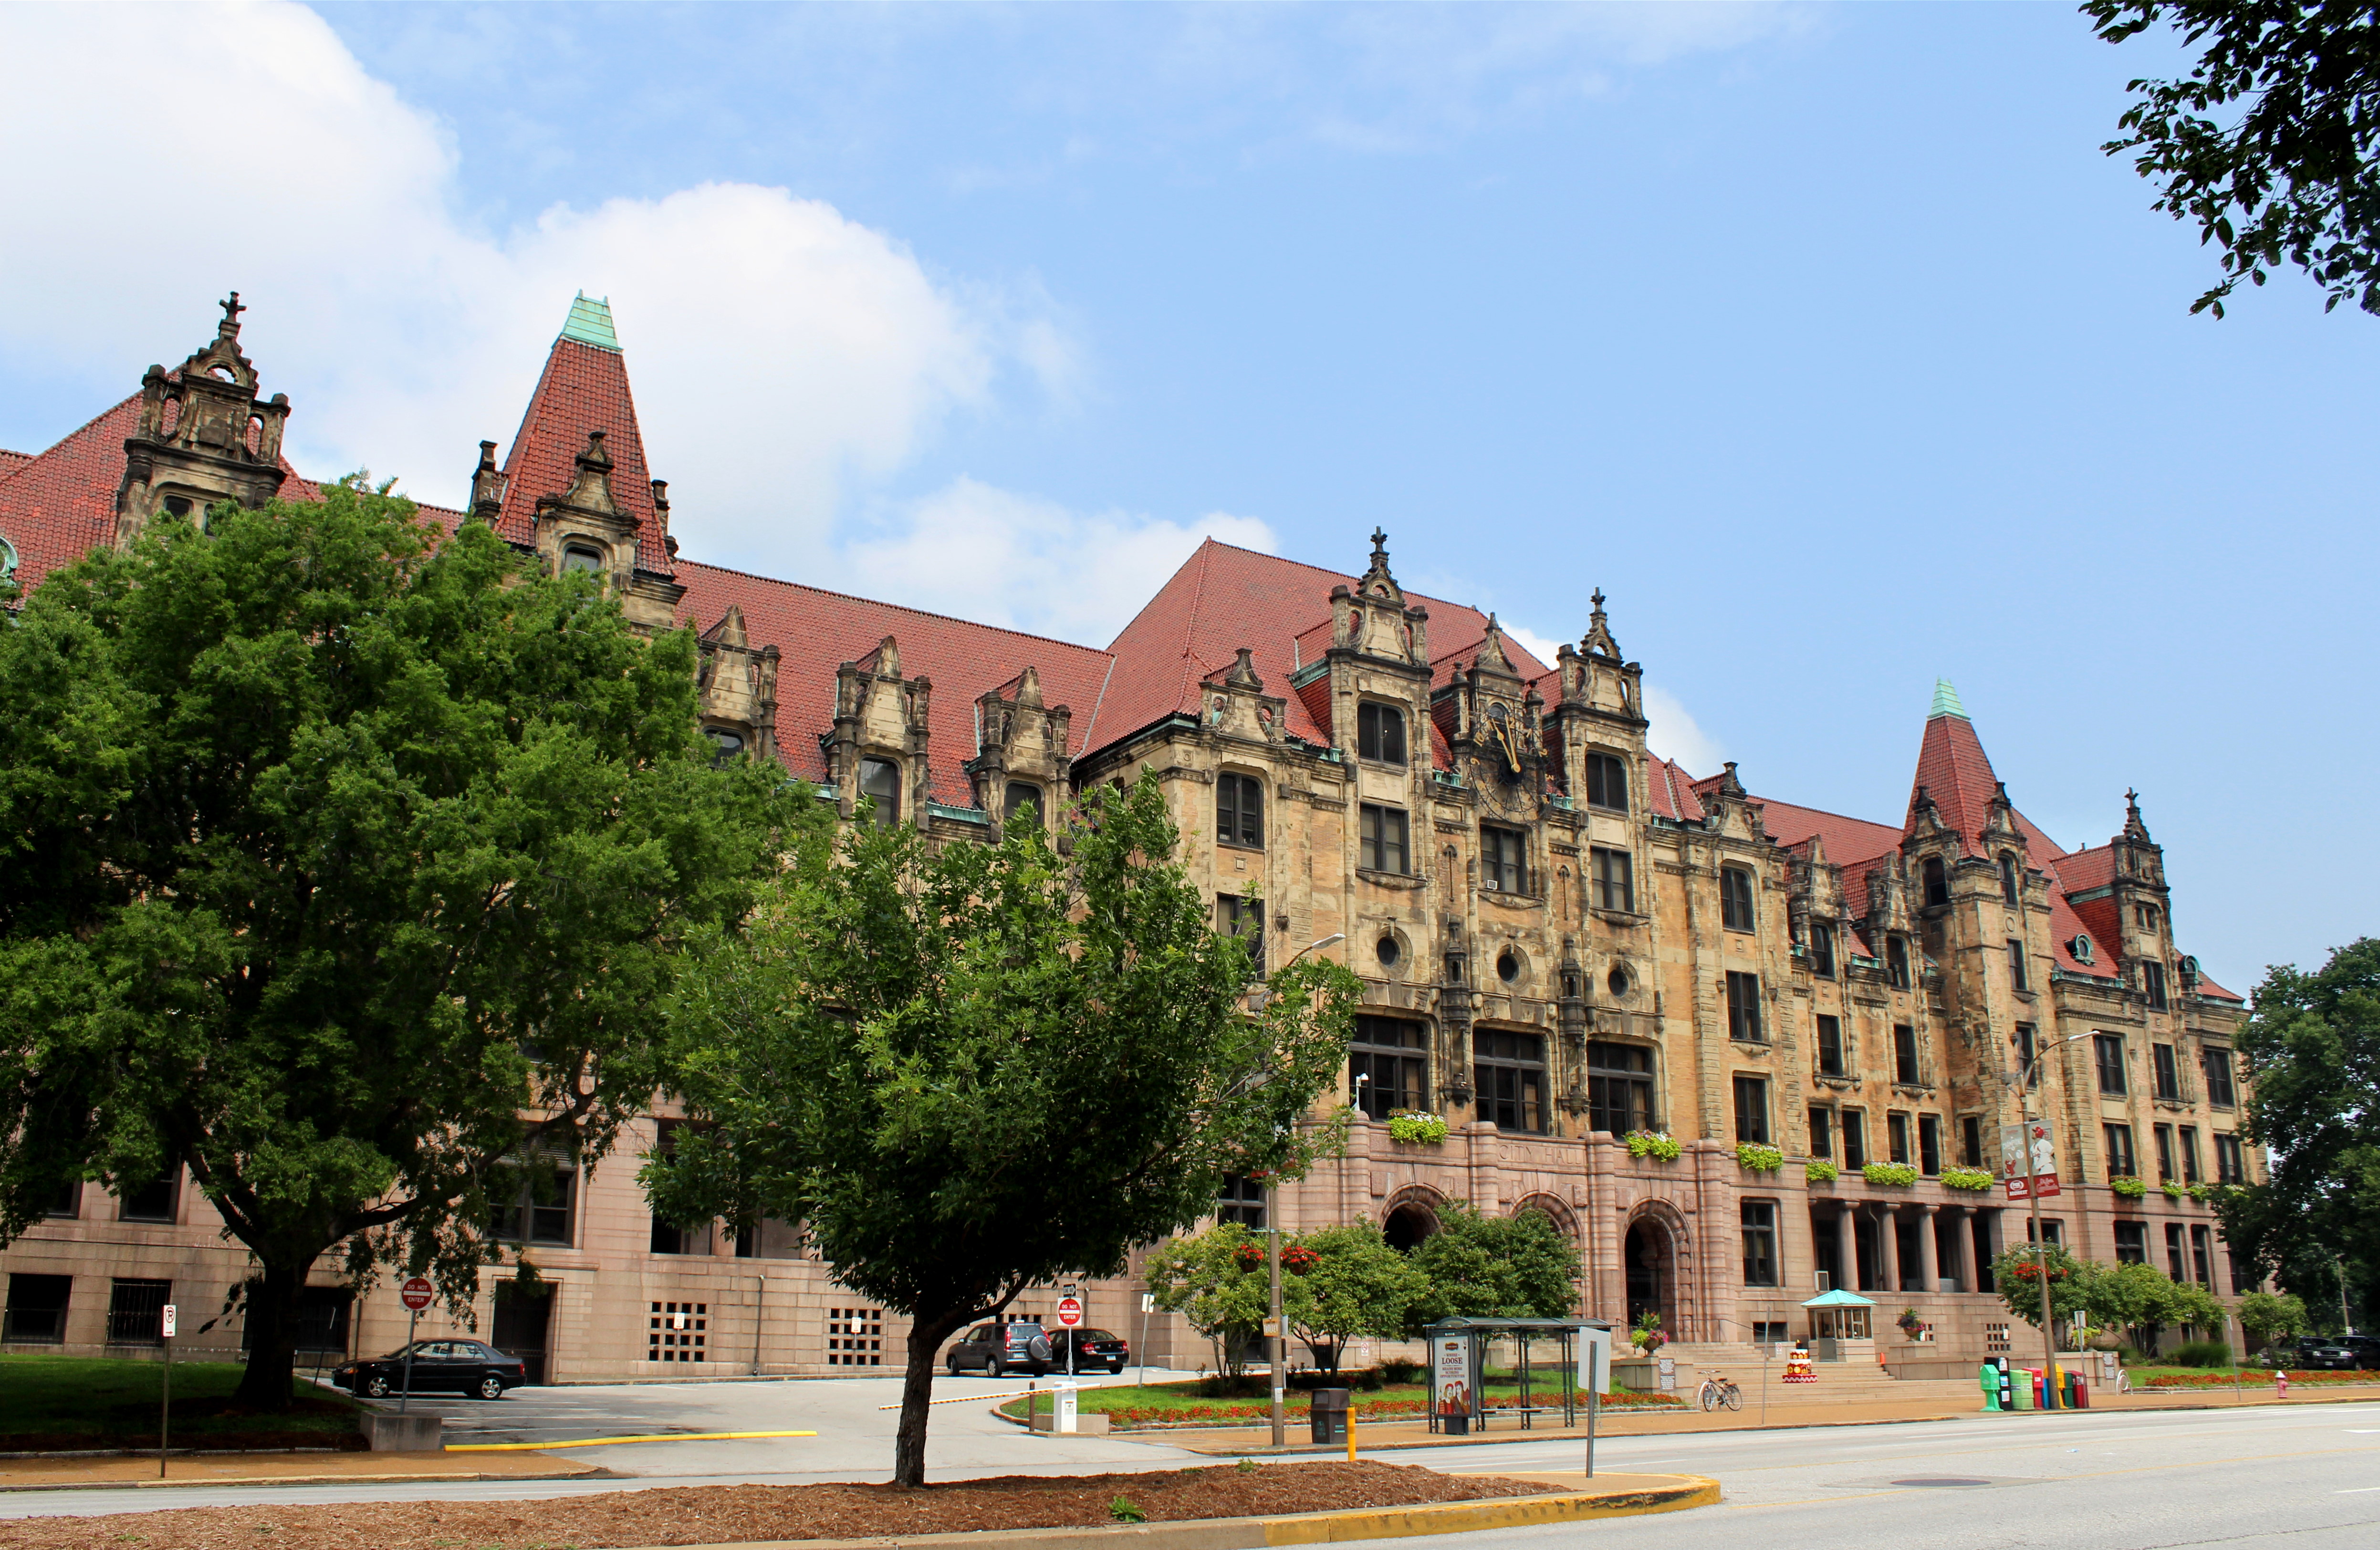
(273, 1334)
(926, 1338)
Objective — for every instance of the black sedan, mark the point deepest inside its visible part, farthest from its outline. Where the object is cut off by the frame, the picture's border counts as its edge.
(1094, 1349)
(997, 1349)
(471, 1367)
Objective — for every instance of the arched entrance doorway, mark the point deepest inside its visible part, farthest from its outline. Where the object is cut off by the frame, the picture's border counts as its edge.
(1651, 1275)
(1409, 1221)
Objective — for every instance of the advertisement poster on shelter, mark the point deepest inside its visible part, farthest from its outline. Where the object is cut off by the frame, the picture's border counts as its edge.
(1452, 1378)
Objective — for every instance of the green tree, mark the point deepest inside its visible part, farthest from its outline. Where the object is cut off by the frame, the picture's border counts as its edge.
(347, 866)
(2265, 1317)
(2014, 1273)
(2268, 142)
(1357, 1286)
(1518, 1266)
(1218, 1282)
(973, 1068)
(2311, 1052)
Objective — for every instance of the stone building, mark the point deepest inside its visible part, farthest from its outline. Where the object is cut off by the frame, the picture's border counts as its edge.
(1576, 953)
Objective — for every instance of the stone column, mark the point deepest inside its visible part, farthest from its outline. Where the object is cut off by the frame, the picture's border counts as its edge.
(1887, 1245)
(1927, 1272)
(1848, 1230)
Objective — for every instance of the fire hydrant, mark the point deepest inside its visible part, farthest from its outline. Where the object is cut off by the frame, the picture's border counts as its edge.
(2281, 1385)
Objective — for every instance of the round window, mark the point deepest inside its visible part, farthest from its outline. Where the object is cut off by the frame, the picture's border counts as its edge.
(1619, 981)
(1390, 953)
(1507, 967)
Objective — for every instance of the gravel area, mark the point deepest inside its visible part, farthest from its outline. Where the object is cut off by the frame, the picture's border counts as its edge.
(717, 1515)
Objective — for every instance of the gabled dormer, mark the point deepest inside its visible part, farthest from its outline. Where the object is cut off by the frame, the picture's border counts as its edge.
(1024, 755)
(738, 682)
(1595, 731)
(1491, 718)
(877, 751)
(203, 437)
(2141, 901)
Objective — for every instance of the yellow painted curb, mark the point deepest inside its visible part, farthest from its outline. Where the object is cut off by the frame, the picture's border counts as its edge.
(607, 1442)
(1512, 1512)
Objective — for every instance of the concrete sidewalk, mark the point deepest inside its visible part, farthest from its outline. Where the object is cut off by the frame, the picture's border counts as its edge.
(121, 1472)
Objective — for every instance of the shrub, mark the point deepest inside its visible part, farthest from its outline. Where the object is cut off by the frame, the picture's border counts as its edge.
(1966, 1178)
(2130, 1189)
(1815, 1172)
(1122, 1511)
(1401, 1370)
(1652, 1143)
(1419, 1129)
(1888, 1173)
(1758, 1159)
(2203, 1354)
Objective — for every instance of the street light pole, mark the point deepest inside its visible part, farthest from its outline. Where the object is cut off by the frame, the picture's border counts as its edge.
(2033, 1196)
(1276, 1345)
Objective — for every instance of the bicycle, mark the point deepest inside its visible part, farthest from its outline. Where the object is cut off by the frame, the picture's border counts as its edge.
(1718, 1390)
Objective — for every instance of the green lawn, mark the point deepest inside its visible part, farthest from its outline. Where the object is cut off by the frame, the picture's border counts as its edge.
(64, 1402)
(1124, 1404)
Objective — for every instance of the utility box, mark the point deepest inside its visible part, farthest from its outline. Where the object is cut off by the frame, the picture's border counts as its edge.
(1061, 1407)
(1328, 1414)
(387, 1432)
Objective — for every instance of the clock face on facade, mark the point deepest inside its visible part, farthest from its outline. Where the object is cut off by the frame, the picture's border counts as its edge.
(1503, 744)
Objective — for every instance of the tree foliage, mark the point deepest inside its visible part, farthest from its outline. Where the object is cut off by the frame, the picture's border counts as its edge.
(2312, 1051)
(972, 1069)
(2017, 1272)
(2267, 1316)
(1479, 1267)
(1221, 1290)
(348, 865)
(1358, 1287)
(2268, 143)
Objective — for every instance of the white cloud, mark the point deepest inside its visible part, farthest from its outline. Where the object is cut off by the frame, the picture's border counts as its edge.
(1029, 564)
(1536, 645)
(160, 157)
(1674, 736)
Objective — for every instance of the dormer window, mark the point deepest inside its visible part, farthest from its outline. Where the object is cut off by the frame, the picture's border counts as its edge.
(2010, 880)
(1735, 897)
(1937, 882)
(726, 745)
(1822, 950)
(1380, 732)
(1239, 810)
(582, 557)
(1896, 961)
(2081, 947)
(1607, 782)
(1022, 798)
(880, 782)
(2148, 917)
(180, 505)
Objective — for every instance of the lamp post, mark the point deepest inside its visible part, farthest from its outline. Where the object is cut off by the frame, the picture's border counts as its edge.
(2032, 1195)
(1276, 1342)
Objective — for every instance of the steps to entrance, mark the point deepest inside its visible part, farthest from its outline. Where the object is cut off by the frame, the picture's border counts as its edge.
(1838, 1381)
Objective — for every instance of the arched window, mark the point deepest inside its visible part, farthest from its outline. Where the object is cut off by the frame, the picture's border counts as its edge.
(880, 782)
(582, 557)
(726, 744)
(1021, 796)
(2009, 879)
(1938, 881)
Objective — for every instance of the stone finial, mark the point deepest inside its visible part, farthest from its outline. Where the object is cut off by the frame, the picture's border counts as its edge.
(487, 486)
(1243, 671)
(229, 327)
(1599, 641)
(1377, 578)
(1491, 648)
(2133, 828)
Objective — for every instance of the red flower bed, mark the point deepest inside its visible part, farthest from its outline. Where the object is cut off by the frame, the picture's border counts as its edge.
(1380, 1409)
(2220, 1380)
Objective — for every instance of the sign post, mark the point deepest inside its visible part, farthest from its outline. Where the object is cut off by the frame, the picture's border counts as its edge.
(1148, 1306)
(1594, 1370)
(1070, 1317)
(165, 1405)
(2029, 1171)
(416, 1294)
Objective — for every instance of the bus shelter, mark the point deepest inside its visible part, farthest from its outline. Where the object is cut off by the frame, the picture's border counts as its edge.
(1459, 1369)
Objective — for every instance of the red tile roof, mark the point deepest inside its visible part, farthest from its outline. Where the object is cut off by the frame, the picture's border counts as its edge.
(582, 389)
(817, 631)
(1669, 791)
(58, 506)
(1957, 774)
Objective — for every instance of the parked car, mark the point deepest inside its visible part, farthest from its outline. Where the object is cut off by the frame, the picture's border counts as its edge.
(471, 1367)
(2365, 1347)
(997, 1349)
(1093, 1349)
(2323, 1353)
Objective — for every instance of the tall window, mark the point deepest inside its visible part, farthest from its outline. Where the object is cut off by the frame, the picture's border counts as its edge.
(1971, 1141)
(1760, 1243)
(880, 782)
(1938, 881)
(2008, 883)
(1831, 1045)
(1752, 1109)
(1243, 918)
(1239, 810)
(1822, 950)
(2163, 1134)
(2173, 1265)
(1618, 1087)
(1904, 1054)
(1510, 1071)
(1241, 1200)
(1383, 845)
(2016, 965)
(1929, 1144)
(2109, 1048)
(2152, 983)
(2161, 1068)
(2188, 1137)
(1896, 1135)
(1391, 1058)
(1854, 1126)
(2121, 1164)
(1380, 732)
(136, 1311)
(1023, 799)
(2027, 1053)
(1615, 880)
(1896, 961)
(1500, 867)
(1744, 1006)
(538, 1210)
(2215, 1061)
(2132, 1242)
(1735, 897)
(2231, 1168)
(1822, 1132)
(1607, 782)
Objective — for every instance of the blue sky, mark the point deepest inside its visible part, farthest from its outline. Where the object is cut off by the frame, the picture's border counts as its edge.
(1823, 338)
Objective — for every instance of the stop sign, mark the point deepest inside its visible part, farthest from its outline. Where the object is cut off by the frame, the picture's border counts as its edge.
(1070, 1311)
(417, 1293)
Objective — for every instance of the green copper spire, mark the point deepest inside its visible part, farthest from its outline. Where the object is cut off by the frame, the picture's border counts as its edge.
(591, 323)
(1946, 699)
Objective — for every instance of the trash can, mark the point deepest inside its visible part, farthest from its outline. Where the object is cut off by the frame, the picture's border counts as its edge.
(1328, 1414)
(2082, 1395)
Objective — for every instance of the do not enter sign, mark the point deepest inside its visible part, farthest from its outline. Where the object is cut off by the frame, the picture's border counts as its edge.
(417, 1293)
(1070, 1311)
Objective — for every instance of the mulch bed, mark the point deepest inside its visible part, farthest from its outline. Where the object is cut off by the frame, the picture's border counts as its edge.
(715, 1514)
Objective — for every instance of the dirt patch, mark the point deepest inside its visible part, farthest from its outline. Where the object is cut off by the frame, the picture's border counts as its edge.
(715, 1514)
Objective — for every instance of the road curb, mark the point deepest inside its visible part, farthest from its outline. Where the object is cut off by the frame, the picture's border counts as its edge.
(1303, 1528)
